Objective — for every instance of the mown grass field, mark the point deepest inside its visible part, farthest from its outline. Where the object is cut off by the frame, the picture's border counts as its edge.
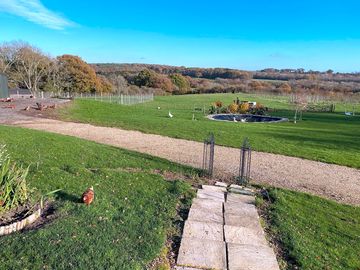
(327, 137)
(125, 227)
(315, 232)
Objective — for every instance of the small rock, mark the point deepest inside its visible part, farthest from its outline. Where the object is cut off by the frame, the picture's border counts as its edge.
(221, 184)
(241, 191)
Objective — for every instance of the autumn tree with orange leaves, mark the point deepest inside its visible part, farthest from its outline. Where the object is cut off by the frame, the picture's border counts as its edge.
(78, 76)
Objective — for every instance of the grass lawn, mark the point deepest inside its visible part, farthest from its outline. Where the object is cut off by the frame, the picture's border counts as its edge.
(125, 227)
(331, 138)
(317, 233)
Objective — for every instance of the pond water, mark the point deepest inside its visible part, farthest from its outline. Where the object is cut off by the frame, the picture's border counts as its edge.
(247, 118)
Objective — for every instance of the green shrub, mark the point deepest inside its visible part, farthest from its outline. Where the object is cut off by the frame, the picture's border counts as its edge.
(13, 187)
(212, 109)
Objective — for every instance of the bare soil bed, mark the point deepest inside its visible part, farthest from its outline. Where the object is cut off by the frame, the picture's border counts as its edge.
(15, 110)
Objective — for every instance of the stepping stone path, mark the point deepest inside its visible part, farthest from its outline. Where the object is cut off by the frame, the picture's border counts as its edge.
(223, 232)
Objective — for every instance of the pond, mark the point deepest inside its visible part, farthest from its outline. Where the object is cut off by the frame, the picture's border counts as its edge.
(247, 118)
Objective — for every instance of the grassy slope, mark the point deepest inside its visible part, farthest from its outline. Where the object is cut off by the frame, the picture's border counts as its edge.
(123, 229)
(318, 233)
(332, 138)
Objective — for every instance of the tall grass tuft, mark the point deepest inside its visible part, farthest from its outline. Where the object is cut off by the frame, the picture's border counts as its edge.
(13, 187)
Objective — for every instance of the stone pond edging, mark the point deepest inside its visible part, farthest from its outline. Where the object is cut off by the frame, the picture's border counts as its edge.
(21, 224)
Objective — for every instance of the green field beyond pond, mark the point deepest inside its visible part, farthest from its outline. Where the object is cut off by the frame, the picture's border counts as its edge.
(124, 228)
(327, 137)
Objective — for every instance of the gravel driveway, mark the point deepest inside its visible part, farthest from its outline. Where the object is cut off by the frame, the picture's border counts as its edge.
(339, 183)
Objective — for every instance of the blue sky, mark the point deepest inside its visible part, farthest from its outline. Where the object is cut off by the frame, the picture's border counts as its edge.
(251, 35)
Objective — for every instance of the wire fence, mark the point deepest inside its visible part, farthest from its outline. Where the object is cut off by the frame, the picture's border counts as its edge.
(110, 98)
(118, 99)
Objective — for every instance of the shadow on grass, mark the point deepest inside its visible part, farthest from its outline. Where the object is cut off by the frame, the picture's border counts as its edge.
(64, 196)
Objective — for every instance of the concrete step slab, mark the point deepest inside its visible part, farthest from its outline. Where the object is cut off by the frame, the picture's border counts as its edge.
(244, 236)
(185, 268)
(249, 257)
(214, 188)
(241, 191)
(241, 187)
(249, 222)
(208, 204)
(221, 184)
(240, 209)
(203, 230)
(201, 253)
(204, 215)
(212, 195)
(239, 198)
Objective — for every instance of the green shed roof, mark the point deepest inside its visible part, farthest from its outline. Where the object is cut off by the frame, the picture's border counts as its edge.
(4, 91)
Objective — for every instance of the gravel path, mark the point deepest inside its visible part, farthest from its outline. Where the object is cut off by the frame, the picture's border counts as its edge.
(331, 181)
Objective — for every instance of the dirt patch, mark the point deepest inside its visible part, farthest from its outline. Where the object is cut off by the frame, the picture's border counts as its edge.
(52, 113)
(17, 214)
(23, 109)
(48, 215)
(24, 211)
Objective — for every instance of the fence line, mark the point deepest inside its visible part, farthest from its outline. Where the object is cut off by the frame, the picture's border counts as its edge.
(118, 99)
(110, 98)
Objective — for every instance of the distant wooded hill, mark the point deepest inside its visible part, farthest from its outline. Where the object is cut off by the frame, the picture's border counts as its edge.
(220, 80)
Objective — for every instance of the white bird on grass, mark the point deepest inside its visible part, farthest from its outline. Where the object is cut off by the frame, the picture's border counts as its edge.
(234, 119)
(170, 115)
(243, 120)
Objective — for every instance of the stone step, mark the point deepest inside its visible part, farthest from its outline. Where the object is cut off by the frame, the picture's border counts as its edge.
(214, 188)
(204, 215)
(212, 195)
(239, 198)
(223, 231)
(245, 257)
(250, 222)
(241, 190)
(203, 230)
(186, 268)
(240, 209)
(202, 253)
(244, 236)
(221, 184)
(208, 204)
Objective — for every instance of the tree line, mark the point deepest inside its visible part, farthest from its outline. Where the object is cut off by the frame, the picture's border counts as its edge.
(27, 66)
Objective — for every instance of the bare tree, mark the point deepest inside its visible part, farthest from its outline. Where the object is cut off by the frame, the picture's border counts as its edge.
(300, 101)
(8, 55)
(120, 84)
(30, 67)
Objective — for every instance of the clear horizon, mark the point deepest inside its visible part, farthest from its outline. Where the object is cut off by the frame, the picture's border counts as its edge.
(312, 35)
